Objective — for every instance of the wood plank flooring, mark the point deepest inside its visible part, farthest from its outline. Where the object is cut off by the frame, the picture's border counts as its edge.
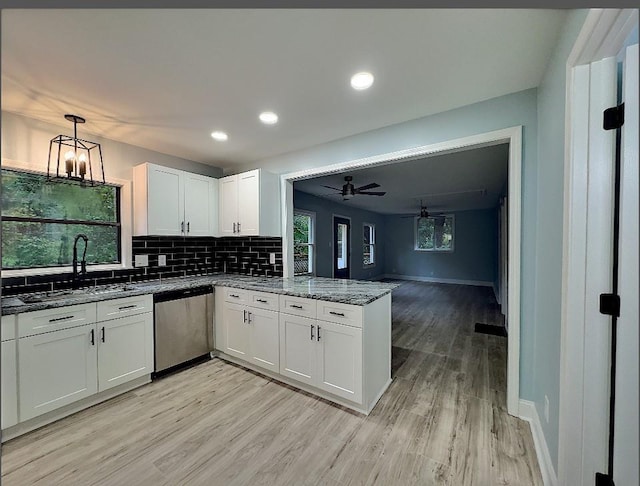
(443, 420)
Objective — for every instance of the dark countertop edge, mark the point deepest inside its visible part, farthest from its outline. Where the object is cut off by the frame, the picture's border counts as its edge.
(184, 283)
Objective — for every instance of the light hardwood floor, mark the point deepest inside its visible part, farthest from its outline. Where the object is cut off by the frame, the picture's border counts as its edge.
(442, 421)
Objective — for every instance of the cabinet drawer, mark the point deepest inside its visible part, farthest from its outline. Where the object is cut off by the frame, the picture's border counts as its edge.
(8, 329)
(263, 300)
(48, 320)
(298, 306)
(129, 306)
(235, 295)
(350, 315)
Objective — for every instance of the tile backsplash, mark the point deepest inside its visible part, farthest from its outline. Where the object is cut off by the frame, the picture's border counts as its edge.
(184, 257)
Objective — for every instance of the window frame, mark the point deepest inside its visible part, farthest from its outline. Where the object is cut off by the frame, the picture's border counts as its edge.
(372, 245)
(435, 250)
(125, 214)
(312, 241)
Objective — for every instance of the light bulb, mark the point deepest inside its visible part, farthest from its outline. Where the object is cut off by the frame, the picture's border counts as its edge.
(360, 81)
(70, 155)
(268, 118)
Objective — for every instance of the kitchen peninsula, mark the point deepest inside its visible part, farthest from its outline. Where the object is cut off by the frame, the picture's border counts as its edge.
(329, 337)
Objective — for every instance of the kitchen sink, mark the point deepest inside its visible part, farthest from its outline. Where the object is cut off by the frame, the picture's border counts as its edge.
(69, 294)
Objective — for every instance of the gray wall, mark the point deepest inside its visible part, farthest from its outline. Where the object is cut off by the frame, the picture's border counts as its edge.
(475, 255)
(494, 114)
(26, 140)
(325, 210)
(548, 243)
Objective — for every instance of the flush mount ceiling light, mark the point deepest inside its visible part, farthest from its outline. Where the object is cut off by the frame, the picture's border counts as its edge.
(268, 118)
(362, 80)
(219, 136)
(76, 157)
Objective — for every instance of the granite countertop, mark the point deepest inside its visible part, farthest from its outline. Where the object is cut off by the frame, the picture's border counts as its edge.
(354, 292)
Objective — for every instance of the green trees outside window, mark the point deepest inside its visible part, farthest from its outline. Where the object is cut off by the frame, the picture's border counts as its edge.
(434, 233)
(40, 219)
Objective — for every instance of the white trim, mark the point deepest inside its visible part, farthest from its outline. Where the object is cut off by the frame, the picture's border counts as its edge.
(602, 35)
(126, 227)
(527, 411)
(513, 136)
(455, 281)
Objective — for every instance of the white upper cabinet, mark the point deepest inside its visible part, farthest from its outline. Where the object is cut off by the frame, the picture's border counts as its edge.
(250, 204)
(171, 202)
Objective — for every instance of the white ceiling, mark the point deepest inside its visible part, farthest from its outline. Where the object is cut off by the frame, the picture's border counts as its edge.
(459, 181)
(165, 79)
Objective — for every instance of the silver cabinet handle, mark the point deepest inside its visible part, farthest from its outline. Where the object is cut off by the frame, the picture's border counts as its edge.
(102, 337)
(295, 306)
(234, 296)
(262, 301)
(318, 333)
(249, 313)
(312, 336)
(188, 226)
(124, 307)
(234, 227)
(336, 313)
(244, 316)
(182, 227)
(238, 227)
(93, 337)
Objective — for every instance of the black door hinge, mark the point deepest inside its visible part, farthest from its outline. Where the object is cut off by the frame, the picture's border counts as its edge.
(610, 305)
(613, 117)
(604, 480)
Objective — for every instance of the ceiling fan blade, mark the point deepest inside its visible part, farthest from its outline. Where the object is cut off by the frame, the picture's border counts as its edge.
(373, 193)
(368, 186)
(334, 188)
(410, 216)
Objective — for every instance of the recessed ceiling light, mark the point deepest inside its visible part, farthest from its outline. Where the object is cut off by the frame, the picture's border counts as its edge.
(219, 136)
(361, 80)
(268, 118)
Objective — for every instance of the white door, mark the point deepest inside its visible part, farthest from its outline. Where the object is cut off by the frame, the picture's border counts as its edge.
(298, 348)
(264, 350)
(56, 369)
(228, 209)
(165, 201)
(125, 350)
(340, 360)
(249, 202)
(626, 438)
(198, 205)
(9, 384)
(236, 331)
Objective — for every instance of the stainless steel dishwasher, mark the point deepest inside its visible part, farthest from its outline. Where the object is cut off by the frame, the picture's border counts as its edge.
(183, 326)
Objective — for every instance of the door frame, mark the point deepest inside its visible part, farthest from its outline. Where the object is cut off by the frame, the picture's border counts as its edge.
(603, 35)
(512, 136)
(333, 240)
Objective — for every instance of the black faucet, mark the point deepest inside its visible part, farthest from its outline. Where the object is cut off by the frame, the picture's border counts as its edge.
(83, 263)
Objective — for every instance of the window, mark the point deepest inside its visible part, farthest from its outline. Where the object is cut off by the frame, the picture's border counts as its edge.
(434, 233)
(40, 219)
(303, 243)
(369, 242)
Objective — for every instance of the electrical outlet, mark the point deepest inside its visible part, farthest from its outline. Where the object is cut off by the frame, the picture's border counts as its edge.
(141, 261)
(162, 260)
(272, 258)
(546, 408)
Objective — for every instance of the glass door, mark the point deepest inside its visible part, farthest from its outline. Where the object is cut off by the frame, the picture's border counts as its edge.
(341, 247)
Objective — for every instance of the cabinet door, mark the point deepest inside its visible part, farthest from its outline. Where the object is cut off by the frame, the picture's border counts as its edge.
(298, 348)
(197, 205)
(228, 219)
(165, 205)
(236, 331)
(9, 384)
(249, 202)
(125, 350)
(56, 369)
(264, 349)
(340, 360)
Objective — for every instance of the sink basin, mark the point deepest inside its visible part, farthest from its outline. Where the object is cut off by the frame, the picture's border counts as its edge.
(69, 294)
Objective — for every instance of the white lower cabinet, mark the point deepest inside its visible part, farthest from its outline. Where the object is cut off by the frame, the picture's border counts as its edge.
(297, 348)
(9, 379)
(56, 369)
(251, 334)
(322, 354)
(125, 350)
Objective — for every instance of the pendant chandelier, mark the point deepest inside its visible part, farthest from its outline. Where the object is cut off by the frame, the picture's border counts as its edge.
(77, 160)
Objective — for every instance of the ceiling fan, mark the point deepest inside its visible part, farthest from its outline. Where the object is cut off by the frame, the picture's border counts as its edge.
(348, 190)
(424, 213)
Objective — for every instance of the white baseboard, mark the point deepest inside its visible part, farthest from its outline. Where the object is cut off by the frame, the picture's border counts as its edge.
(479, 283)
(527, 411)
